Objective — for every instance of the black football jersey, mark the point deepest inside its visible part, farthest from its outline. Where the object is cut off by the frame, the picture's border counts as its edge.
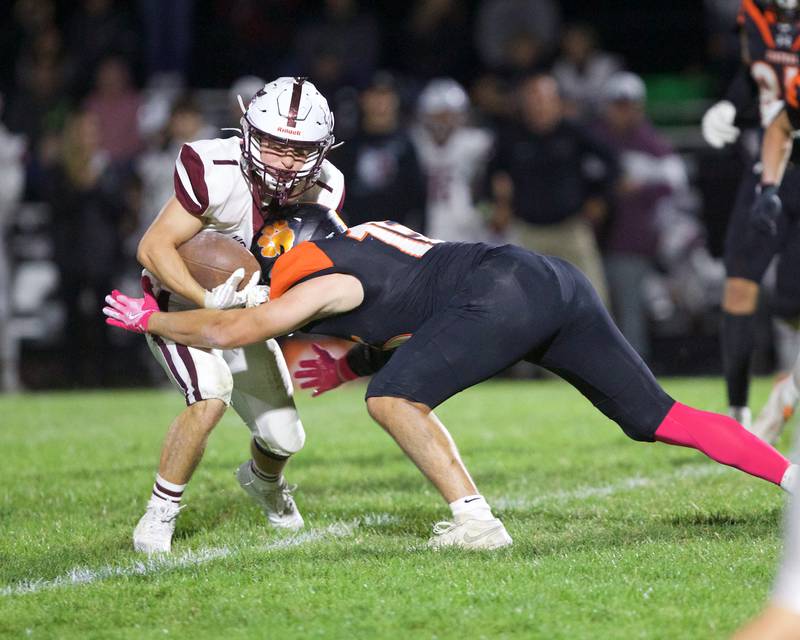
(772, 51)
(406, 278)
(289, 226)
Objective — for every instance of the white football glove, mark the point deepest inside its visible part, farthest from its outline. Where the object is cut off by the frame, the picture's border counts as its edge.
(225, 295)
(257, 295)
(718, 127)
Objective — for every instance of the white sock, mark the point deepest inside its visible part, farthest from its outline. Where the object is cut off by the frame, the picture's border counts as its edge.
(473, 507)
(742, 415)
(789, 392)
(790, 479)
(168, 491)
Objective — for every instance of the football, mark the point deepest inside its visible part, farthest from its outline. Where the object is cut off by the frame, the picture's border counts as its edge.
(212, 257)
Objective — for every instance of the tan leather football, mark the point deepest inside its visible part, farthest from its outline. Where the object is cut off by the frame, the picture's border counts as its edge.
(212, 257)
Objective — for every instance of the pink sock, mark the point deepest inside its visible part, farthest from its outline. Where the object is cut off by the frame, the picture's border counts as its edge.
(722, 439)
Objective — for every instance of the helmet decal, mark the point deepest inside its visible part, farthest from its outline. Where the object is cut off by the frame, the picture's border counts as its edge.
(275, 239)
(294, 105)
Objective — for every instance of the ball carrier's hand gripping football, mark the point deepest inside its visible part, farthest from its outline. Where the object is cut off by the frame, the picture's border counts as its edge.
(228, 295)
(131, 314)
(324, 372)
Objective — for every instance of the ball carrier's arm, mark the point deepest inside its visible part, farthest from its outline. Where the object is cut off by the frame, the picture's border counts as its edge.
(158, 250)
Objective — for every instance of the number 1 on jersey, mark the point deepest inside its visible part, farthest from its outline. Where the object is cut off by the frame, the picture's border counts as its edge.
(395, 235)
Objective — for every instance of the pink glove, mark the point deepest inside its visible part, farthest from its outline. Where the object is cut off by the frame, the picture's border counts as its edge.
(324, 372)
(131, 314)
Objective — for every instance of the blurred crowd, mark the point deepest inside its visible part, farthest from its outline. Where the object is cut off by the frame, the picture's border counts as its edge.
(499, 122)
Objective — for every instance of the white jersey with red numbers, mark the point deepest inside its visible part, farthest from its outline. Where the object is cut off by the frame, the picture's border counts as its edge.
(452, 169)
(209, 184)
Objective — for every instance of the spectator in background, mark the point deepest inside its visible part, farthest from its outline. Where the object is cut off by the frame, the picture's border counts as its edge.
(155, 167)
(551, 181)
(86, 195)
(650, 172)
(243, 88)
(38, 111)
(515, 39)
(115, 103)
(341, 46)
(432, 42)
(582, 70)
(96, 30)
(12, 179)
(384, 180)
(453, 157)
(167, 36)
(503, 28)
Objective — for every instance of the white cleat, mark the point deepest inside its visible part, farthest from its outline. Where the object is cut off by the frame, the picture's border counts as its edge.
(777, 411)
(153, 533)
(470, 534)
(741, 415)
(274, 499)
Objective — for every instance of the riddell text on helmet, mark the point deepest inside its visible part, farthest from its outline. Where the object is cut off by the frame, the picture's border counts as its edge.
(294, 132)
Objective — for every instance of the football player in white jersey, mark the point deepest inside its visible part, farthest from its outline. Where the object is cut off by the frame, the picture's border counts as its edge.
(453, 156)
(233, 186)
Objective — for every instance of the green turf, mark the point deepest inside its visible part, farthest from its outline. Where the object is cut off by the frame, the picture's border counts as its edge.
(613, 539)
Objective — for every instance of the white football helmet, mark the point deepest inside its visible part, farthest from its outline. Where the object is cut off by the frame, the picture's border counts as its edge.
(442, 107)
(287, 111)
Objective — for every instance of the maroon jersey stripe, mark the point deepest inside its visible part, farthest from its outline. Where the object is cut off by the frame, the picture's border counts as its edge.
(183, 352)
(341, 202)
(196, 173)
(173, 369)
(294, 105)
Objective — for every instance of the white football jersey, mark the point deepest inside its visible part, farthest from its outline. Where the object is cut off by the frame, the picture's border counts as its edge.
(451, 170)
(209, 184)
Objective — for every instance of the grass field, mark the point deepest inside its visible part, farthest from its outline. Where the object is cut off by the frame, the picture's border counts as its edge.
(613, 539)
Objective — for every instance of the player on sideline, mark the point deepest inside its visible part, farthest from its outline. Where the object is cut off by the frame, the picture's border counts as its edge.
(235, 186)
(769, 38)
(466, 312)
(775, 208)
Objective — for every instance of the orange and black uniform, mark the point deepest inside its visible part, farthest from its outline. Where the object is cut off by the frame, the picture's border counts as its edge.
(771, 56)
(462, 312)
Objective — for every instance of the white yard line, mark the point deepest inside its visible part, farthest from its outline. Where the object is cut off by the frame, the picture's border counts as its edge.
(159, 564)
(603, 491)
(191, 558)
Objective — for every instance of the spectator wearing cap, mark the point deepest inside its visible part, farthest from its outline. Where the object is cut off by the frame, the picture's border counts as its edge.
(650, 172)
(384, 179)
(551, 181)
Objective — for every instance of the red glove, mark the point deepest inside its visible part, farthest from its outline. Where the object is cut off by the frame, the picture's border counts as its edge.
(131, 314)
(324, 372)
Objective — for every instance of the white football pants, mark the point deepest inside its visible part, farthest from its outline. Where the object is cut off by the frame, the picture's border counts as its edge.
(254, 380)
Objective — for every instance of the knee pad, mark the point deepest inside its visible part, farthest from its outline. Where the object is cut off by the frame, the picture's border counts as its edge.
(199, 374)
(279, 431)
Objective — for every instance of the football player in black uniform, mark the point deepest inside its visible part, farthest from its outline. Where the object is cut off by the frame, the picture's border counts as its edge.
(770, 36)
(460, 313)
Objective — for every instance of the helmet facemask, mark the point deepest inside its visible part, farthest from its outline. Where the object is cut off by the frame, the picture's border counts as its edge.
(279, 183)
